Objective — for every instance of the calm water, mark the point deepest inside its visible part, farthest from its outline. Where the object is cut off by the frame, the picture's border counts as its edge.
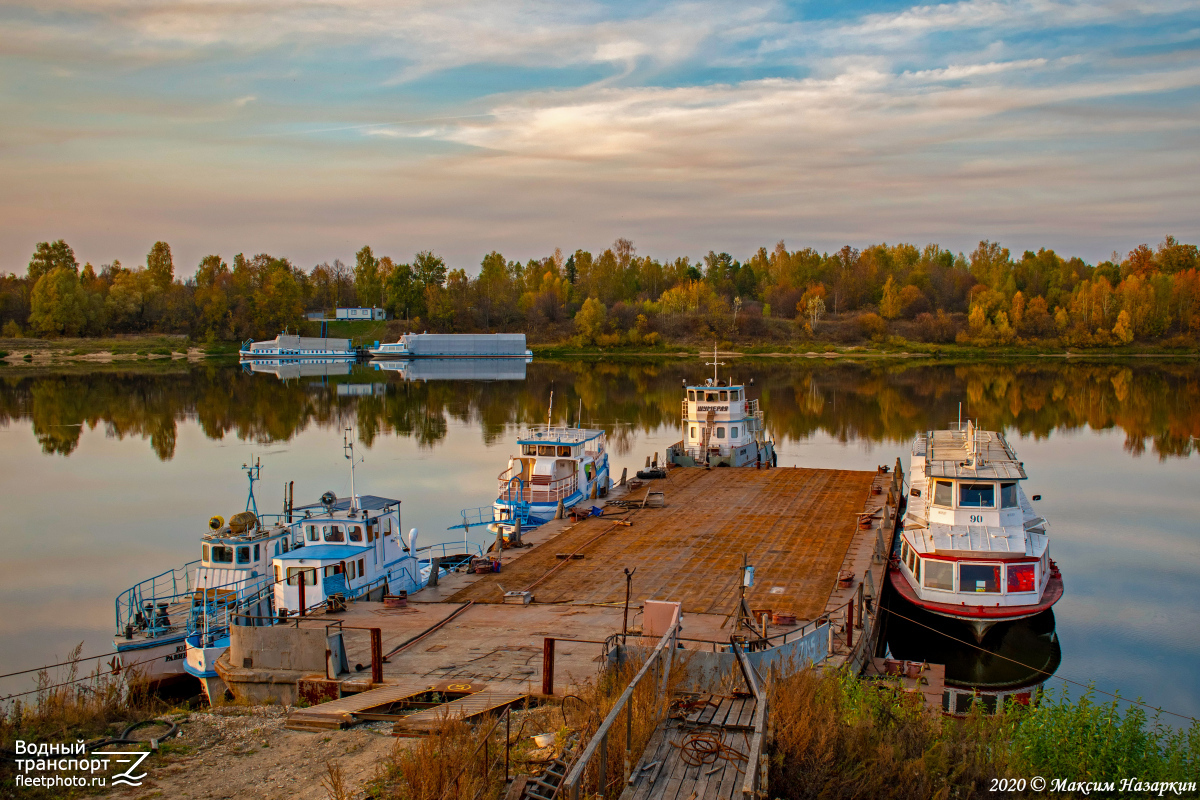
(109, 475)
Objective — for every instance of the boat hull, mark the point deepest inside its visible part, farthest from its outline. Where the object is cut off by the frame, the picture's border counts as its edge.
(158, 662)
(201, 663)
(979, 618)
(761, 454)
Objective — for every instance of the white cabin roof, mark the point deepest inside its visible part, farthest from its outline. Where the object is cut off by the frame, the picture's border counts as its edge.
(968, 453)
(548, 435)
(983, 541)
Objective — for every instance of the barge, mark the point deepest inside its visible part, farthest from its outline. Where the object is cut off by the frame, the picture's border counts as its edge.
(454, 345)
(291, 346)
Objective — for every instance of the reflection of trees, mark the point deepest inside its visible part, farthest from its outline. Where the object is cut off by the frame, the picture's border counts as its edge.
(1156, 405)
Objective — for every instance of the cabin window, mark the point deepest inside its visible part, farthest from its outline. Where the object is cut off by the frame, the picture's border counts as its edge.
(284, 542)
(370, 533)
(278, 573)
(733, 433)
(977, 495)
(312, 532)
(306, 574)
(222, 555)
(388, 527)
(734, 395)
(720, 433)
(529, 449)
(564, 450)
(724, 397)
(939, 575)
(943, 494)
(355, 533)
(350, 571)
(1020, 577)
(334, 533)
(979, 577)
(710, 397)
(691, 395)
(904, 552)
(256, 553)
(545, 450)
(360, 568)
(243, 555)
(1008, 495)
(333, 569)
(205, 553)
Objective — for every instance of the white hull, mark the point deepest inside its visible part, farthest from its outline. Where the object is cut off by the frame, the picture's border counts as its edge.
(159, 663)
(201, 663)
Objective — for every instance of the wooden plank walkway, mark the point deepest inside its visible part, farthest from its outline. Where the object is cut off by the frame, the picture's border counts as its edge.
(795, 525)
(473, 705)
(728, 720)
(339, 713)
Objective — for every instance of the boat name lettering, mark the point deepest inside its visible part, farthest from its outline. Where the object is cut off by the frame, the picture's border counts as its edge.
(712, 408)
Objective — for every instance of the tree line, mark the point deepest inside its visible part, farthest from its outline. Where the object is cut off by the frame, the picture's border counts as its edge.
(618, 297)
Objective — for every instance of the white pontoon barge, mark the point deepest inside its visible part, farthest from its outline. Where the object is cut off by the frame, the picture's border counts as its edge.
(290, 346)
(454, 345)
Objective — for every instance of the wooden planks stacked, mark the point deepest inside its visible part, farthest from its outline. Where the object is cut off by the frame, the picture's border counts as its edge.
(794, 525)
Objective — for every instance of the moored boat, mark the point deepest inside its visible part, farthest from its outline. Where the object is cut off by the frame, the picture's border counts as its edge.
(972, 548)
(721, 427)
(291, 346)
(454, 345)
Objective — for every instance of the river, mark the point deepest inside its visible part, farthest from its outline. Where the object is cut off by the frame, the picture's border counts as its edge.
(110, 473)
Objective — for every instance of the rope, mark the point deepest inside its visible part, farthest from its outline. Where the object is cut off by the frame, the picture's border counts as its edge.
(1087, 686)
(707, 748)
(90, 677)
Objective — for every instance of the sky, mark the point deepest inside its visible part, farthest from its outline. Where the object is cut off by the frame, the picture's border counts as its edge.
(308, 129)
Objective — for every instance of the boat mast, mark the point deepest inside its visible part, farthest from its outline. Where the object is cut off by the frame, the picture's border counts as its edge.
(348, 451)
(550, 412)
(253, 471)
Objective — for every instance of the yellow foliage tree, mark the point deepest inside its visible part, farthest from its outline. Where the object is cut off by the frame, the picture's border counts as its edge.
(890, 306)
(1123, 330)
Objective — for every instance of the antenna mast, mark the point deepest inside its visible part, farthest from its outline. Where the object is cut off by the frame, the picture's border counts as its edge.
(253, 471)
(550, 411)
(348, 451)
(714, 364)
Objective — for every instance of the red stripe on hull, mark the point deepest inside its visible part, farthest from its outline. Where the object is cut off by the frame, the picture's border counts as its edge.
(1053, 593)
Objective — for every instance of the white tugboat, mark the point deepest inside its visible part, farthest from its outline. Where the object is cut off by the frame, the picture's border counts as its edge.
(722, 427)
(972, 548)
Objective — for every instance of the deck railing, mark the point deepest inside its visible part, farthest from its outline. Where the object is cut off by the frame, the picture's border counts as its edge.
(167, 587)
(515, 487)
(660, 660)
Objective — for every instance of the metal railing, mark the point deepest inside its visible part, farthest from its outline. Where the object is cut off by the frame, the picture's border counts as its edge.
(661, 660)
(529, 492)
(756, 761)
(167, 587)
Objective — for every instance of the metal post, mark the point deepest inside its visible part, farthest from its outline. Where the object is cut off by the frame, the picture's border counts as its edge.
(507, 738)
(850, 624)
(861, 607)
(376, 655)
(628, 737)
(602, 783)
(548, 666)
(628, 591)
(300, 575)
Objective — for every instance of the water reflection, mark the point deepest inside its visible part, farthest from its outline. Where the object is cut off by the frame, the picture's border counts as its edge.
(1012, 662)
(456, 369)
(1156, 405)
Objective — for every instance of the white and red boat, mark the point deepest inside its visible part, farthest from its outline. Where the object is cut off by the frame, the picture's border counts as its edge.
(972, 548)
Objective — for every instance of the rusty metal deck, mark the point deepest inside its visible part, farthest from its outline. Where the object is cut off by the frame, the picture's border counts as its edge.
(795, 526)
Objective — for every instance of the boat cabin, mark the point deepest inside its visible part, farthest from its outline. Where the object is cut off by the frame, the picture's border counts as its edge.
(348, 546)
(721, 427)
(555, 464)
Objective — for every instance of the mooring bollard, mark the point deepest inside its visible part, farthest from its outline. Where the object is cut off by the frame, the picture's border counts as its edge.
(548, 666)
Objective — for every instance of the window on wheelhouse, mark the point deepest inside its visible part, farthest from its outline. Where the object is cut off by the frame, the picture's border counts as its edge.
(546, 450)
(733, 395)
(939, 575)
(979, 577)
(355, 533)
(943, 494)
(691, 395)
(1020, 577)
(724, 397)
(977, 495)
(720, 433)
(1008, 495)
(222, 555)
(529, 449)
(564, 450)
(306, 574)
(204, 555)
(333, 533)
(243, 555)
(710, 397)
(333, 569)
(312, 533)
(693, 431)
(733, 433)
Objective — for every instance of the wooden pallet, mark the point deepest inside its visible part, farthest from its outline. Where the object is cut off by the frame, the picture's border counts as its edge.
(340, 713)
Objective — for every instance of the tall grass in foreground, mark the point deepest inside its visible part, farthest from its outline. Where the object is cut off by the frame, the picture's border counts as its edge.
(837, 736)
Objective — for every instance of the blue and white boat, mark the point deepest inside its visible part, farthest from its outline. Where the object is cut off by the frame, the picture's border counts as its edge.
(289, 346)
(556, 465)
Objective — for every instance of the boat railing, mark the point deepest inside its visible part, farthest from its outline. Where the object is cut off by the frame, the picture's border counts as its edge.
(213, 607)
(515, 488)
(444, 549)
(165, 587)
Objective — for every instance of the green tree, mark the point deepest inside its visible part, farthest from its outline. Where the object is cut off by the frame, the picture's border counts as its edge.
(590, 320)
(366, 278)
(405, 294)
(160, 266)
(60, 305)
(49, 256)
(429, 269)
(128, 299)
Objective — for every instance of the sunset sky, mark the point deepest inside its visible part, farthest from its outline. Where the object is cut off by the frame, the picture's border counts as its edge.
(308, 129)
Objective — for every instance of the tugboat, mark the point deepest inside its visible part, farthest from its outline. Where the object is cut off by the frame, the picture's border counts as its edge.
(722, 427)
(972, 548)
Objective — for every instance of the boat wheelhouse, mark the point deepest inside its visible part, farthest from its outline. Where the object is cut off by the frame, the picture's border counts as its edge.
(556, 465)
(722, 427)
(454, 345)
(288, 346)
(972, 548)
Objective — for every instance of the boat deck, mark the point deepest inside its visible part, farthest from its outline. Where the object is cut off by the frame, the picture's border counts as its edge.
(794, 525)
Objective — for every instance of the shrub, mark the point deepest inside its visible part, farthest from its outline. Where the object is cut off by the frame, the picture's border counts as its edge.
(11, 330)
(871, 325)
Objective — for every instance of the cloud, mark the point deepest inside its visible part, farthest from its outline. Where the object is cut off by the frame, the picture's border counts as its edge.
(242, 102)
